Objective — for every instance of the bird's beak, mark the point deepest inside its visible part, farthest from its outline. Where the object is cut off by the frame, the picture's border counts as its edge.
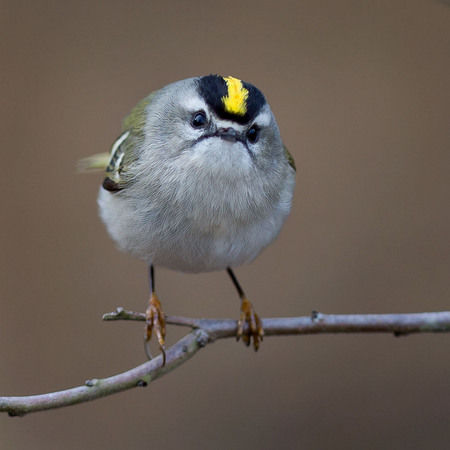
(229, 134)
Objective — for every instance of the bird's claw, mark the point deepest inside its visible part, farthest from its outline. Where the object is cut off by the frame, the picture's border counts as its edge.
(255, 328)
(155, 321)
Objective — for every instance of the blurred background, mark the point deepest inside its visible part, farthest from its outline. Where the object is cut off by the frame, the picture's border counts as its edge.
(361, 93)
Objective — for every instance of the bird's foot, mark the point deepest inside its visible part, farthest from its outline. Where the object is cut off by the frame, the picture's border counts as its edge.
(255, 328)
(155, 322)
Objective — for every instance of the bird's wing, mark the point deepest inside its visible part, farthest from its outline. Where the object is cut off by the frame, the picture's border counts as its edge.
(123, 151)
(289, 157)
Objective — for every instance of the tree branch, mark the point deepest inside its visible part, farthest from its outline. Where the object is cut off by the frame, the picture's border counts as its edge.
(205, 331)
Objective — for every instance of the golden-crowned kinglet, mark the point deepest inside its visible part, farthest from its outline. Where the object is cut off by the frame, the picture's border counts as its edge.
(199, 181)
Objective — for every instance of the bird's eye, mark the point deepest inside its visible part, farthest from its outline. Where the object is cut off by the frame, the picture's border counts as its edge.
(199, 119)
(253, 134)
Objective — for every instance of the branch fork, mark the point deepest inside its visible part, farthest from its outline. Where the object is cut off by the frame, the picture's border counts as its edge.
(206, 331)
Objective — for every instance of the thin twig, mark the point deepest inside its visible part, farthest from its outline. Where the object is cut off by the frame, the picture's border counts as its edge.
(96, 388)
(398, 324)
(208, 330)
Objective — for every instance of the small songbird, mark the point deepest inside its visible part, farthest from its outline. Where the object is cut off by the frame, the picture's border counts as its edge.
(198, 181)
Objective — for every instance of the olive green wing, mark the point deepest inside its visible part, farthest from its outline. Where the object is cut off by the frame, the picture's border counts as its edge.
(289, 157)
(123, 153)
(116, 179)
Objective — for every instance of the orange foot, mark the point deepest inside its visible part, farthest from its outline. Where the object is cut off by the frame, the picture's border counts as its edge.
(253, 321)
(155, 322)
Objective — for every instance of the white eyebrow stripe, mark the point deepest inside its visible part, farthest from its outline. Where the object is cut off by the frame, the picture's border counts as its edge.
(263, 119)
(195, 104)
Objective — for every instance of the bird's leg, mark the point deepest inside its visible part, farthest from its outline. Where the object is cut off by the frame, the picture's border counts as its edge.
(248, 315)
(155, 320)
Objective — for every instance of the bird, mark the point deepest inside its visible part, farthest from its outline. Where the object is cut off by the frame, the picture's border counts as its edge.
(198, 181)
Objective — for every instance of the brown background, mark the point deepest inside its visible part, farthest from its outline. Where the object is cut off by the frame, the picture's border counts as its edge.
(361, 93)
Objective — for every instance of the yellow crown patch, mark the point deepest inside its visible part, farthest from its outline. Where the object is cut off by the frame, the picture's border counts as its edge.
(236, 100)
